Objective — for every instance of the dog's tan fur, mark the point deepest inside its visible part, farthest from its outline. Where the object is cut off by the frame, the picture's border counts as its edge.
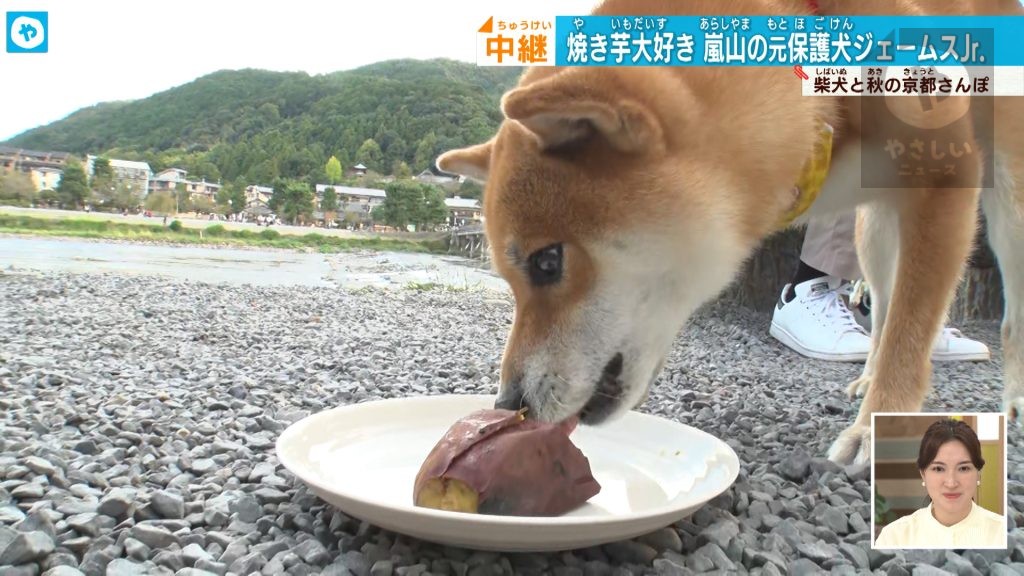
(659, 181)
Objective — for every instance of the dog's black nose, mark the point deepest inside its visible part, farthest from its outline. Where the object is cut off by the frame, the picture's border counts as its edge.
(510, 396)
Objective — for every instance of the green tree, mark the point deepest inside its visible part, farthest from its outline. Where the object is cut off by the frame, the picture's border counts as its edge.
(204, 205)
(204, 170)
(401, 170)
(434, 210)
(370, 155)
(160, 202)
(333, 170)
(17, 189)
(237, 197)
(101, 169)
(50, 197)
(409, 202)
(330, 200)
(426, 151)
(123, 198)
(73, 190)
(329, 204)
(182, 199)
(223, 199)
(292, 200)
(471, 189)
(101, 185)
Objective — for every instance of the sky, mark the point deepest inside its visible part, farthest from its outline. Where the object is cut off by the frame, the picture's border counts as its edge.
(105, 50)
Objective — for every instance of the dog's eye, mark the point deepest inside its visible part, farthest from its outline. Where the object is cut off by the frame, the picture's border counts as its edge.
(546, 265)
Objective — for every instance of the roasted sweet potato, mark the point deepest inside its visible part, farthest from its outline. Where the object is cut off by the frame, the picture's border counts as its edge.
(497, 462)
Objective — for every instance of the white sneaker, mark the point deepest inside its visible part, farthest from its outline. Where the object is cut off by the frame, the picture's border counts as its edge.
(951, 345)
(818, 324)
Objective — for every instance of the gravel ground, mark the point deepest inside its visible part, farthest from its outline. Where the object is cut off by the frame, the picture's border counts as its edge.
(139, 420)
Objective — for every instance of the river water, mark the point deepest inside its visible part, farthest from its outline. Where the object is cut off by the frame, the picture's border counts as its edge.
(239, 266)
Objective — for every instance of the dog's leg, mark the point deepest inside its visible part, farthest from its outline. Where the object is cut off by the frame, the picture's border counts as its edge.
(878, 242)
(936, 228)
(1004, 211)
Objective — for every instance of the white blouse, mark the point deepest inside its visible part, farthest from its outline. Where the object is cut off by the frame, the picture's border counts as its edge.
(980, 529)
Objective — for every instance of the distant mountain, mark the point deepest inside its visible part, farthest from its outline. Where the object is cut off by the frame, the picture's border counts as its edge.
(258, 126)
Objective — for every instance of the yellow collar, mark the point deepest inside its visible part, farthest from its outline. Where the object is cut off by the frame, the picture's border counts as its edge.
(811, 180)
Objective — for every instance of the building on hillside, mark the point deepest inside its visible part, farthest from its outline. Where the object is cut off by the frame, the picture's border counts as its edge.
(167, 180)
(202, 188)
(355, 205)
(134, 175)
(170, 179)
(257, 196)
(462, 211)
(26, 161)
(358, 170)
(368, 197)
(45, 178)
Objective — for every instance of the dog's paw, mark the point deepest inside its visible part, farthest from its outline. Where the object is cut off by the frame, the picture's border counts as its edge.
(1014, 408)
(859, 387)
(852, 447)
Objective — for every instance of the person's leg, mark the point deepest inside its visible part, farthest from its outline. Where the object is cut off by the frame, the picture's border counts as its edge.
(811, 317)
(829, 246)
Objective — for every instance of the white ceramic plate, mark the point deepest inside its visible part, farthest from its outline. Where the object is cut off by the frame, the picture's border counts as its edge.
(363, 458)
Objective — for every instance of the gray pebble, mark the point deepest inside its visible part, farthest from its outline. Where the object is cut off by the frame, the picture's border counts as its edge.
(9, 514)
(37, 521)
(116, 503)
(136, 550)
(857, 554)
(122, 567)
(193, 553)
(28, 491)
(719, 533)
(194, 572)
(312, 552)
(153, 536)
(268, 495)
(926, 570)
(40, 465)
(382, 568)
(168, 504)
(818, 551)
(803, 567)
(835, 520)
(249, 563)
(664, 539)
(630, 552)
(796, 465)
(596, 568)
(63, 571)
(215, 567)
(26, 547)
(663, 567)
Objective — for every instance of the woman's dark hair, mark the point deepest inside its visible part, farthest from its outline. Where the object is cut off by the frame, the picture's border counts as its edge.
(943, 431)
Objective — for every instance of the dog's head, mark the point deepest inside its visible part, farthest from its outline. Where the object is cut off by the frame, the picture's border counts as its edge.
(612, 221)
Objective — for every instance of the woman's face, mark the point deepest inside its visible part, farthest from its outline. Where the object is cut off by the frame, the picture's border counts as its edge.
(951, 479)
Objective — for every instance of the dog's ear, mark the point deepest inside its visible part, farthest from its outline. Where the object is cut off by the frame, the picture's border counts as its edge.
(566, 107)
(473, 162)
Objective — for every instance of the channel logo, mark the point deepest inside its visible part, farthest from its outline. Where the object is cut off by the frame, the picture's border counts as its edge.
(27, 32)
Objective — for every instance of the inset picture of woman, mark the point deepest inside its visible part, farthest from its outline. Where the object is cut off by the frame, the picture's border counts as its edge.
(939, 481)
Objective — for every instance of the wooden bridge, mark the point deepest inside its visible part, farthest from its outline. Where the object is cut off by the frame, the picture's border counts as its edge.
(469, 241)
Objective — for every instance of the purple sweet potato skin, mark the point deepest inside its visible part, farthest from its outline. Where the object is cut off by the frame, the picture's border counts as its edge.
(518, 467)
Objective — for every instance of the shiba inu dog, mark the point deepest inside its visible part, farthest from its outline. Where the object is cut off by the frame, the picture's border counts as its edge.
(618, 200)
